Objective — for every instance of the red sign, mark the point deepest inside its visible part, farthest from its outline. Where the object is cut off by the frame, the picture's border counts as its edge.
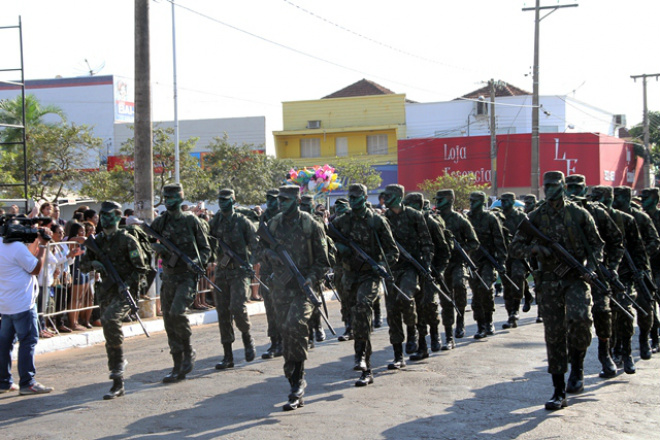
(604, 160)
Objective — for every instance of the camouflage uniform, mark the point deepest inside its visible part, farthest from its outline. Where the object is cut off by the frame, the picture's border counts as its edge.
(179, 287)
(491, 238)
(304, 239)
(346, 298)
(129, 261)
(650, 205)
(456, 272)
(239, 234)
(360, 281)
(565, 301)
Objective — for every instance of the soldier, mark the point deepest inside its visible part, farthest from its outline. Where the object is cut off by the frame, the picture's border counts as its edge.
(361, 282)
(275, 349)
(530, 203)
(129, 261)
(179, 287)
(565, 301)
(304, 239)
(455, 274)
(428, 298)
(515, 267)
(410, 231)
(622, 326)
(622, 196)
(240, 235)
(650, 206)
(343, 264)
(576, 189)
(314, 323)
(491, 238)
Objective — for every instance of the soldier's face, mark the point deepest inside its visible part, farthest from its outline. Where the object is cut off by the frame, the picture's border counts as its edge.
(602, 197)
(109, 219)
(414, 205)
(476, 203)
(287, 205)
(649, 202)
(506, 202)
(173, 200)
(621, 201)
(553, 191)
(443, 202)
(306, 207)
(341, 208)
(271, 203)
(225, 204)
(357, 202)
(575, 190)
(391, 199)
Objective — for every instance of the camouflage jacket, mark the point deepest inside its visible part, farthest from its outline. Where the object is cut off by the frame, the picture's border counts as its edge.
(238, 233)
(647, 231)
(410, 231)
(489, 233)
(510, 222)
(463, 232)
(608, 231)
(632, 241)
(187, 233)
(442, 241)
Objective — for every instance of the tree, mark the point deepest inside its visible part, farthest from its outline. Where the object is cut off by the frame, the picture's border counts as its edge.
(247, 172)
(462, 186)
(637, 132)
(353, 170)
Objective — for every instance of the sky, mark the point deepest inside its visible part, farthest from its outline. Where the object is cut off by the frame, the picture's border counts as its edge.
(246, 57)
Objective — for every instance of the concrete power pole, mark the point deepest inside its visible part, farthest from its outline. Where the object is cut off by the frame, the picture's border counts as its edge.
(144, 163)
(493, 140)
(647, 159)
(535, 165)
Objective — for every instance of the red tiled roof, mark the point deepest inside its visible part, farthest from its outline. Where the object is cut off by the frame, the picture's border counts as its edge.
(501, 89)
(364, 87)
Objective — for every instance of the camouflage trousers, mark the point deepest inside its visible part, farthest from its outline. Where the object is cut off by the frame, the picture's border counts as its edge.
(648, 305)
(231, 303)
(602, 313)
(269, 305)
(483, 300)
(364, 287)
(113, 310)
(399, 310)
(177, 293)
(623, 328)
(427, 304)
(345, 294)
(566, 311)
(293, 310)
(455, 276)
(517, 271)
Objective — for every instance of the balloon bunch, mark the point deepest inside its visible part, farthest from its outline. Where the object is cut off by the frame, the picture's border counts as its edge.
(316, 180)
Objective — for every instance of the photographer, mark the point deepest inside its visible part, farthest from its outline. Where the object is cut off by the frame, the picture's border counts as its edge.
(18, 291)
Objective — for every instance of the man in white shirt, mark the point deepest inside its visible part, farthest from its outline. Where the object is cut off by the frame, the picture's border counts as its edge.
(18, 291)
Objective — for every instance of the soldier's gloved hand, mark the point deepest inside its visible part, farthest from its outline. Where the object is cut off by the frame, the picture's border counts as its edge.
(342, 249)
(160, 250)
(99, 267)
(249, 270)
(589, 276)
(541, 251)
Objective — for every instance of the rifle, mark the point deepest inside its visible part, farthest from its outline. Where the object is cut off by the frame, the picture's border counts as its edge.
(426, 275)
(472, 268)
(500, 269)
(334, 233)
(619, 287)
(285, 258)
(177, 254)
(329, 276)
(642, 279)
(245, 266)
(567, 260)
(114, 276)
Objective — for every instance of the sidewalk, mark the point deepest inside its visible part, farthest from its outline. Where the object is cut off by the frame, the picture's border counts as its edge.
(153, 325)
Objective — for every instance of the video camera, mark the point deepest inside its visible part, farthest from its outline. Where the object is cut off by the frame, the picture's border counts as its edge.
(14, 228)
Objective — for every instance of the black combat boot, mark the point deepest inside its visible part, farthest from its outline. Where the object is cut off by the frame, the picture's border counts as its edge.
(481, 330)
(527, 306)
(449, 339)
(411, 342)
(348, 334)
(310, 340)
(248, 343)
(655, 346)
(117, 390)
(189, 356)
(576, 378)
(609, 367)
(270, 351)
(422, 351)
(628, 361)
(227, 361)
(512, 322)
(173, 376)
(398, 358)
(644, 346)
(558, 399)
(617, 353)
(360, 354)
(488, 324)
(298, 385)
(435, 339)
(365, 379)
(378, 319)
(319, 333)
(460, 326)
(278, 348)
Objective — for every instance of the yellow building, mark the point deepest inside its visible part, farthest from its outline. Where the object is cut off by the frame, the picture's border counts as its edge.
(363, 120)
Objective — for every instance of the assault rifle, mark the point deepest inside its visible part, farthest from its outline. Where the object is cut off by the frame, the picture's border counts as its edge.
(619, 287)
(500, 269)
(284, 257)
(426, 274)
(567, 261)
(334, 233)
(237, 258)
(329, 277)
(177, 254)
(641, 278)
(472, 268)
(116, 279)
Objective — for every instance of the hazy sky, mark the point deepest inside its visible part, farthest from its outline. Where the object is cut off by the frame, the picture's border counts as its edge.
(246, 57)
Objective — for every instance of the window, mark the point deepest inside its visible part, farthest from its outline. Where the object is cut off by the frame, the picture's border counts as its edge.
(310, 147)
(341, 146)
(377, 144)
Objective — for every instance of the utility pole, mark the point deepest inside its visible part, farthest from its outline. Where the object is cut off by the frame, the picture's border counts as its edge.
(144, 162)
(536, 170)
(177, 164)
(647, 159)
(493, 140)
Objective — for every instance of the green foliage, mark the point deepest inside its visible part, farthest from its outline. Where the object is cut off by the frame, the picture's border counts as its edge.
(353, 170)
(11, 112)
(247, 172)
(462, 186)
(637, 132)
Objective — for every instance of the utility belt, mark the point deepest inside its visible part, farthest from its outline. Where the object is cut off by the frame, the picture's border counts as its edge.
(558, 274)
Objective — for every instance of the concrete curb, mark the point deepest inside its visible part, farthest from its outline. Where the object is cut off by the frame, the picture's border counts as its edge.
(155, 325)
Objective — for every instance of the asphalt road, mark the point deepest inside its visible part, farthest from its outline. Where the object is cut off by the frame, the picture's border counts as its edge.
(493, 389)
